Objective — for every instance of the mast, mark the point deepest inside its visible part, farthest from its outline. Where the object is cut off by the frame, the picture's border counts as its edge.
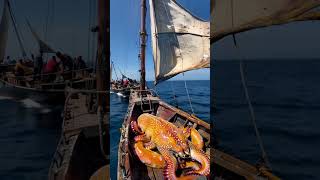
(142, 54)
(102, 76)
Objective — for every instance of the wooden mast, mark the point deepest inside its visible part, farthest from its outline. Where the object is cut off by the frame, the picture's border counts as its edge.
(102, 76)
(142, 54)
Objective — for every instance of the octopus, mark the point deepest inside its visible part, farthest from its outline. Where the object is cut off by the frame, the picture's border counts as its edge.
(160, 144)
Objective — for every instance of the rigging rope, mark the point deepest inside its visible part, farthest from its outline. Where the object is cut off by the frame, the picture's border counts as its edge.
(174, 94)
(112, 64)
(89, 31)
(245, 88)
(19, 37)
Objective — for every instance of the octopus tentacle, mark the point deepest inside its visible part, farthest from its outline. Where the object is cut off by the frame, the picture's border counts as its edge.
(148, 157)
(196, 138)
(202, 158)
(169, 171)
(150, 145)
(186, 131)
(142, 138)
(191, 164)
(135, 128)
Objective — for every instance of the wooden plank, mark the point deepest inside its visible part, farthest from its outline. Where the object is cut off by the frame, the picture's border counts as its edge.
(239, 167)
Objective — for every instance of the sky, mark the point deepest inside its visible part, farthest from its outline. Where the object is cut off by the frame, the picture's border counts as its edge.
(125, 27)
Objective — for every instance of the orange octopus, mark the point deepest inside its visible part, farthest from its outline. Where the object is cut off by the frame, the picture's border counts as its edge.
(173, 144)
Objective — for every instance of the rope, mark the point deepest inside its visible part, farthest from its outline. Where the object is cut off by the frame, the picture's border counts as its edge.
(174, 95)
(19, 37)
(112, 64)
(245, 88)
(252, 114)
(189, 98)
(89, 32)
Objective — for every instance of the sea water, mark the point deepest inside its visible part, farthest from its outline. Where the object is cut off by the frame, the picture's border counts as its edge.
(286, 98)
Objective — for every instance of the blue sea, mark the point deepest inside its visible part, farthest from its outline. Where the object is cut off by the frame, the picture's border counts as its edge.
(29, 133)
(199, 92)
(286, 98)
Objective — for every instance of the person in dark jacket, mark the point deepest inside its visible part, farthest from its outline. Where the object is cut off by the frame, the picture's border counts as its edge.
(38, 64)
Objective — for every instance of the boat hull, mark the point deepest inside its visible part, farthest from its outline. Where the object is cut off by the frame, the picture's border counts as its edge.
(129, 166)
(79, 155)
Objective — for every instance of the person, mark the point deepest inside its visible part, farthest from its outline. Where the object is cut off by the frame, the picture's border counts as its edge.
(51, 67)
(38, 64)
(32, 57)
(125, 82)
(18, 68)
(66, 61)
(79, 63)
(21, 69)
(7, 60)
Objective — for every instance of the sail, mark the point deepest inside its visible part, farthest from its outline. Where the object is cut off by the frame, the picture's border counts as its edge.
(44, 47)
(4, 27)
(233, 16)
(180, 41)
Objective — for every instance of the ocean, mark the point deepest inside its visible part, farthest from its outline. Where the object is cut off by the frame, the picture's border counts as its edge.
(29, 134)
(286, 98)
(199, 94)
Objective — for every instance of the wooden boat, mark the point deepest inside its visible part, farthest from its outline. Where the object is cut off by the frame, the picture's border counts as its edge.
(124, 91)
(83, 150)
(117, 86)
(40, 83)
(75, 79)
(129, 166)
(225, 21)
(146, 101)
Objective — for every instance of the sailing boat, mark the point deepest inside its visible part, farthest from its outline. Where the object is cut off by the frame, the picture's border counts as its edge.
(230, 17)
(180, 43)
(34, 83)
(123, 86)
(83, 149)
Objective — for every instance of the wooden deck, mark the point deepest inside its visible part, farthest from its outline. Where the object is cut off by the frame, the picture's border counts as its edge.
(78, 154)
(78, 117)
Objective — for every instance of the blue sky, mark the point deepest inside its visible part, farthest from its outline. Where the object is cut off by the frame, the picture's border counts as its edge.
(125, 26)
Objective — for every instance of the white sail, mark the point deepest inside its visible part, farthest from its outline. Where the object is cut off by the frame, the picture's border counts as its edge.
(180, 41)
(4, 30)
(233, 16)
(43, 47)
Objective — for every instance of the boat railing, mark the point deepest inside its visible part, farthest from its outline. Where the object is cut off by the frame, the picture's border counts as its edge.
(56, 73)
(50, 79)
(142, 93)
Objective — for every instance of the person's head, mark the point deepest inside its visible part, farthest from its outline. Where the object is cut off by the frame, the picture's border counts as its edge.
(20, 61)
(8, 57)
(54, 58)
(32, 56)
(80, 57)
(59, 54)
